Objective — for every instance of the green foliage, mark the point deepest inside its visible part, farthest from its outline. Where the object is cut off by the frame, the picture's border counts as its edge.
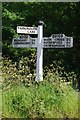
(20, 71)
(24, 71)
(41, 100)
(15, 54)
(58, 17)
(58, 70)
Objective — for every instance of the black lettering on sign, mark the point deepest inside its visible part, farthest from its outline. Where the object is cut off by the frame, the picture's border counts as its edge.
(27, 28)
(32, 31)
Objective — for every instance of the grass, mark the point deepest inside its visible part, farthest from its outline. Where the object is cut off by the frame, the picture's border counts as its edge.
(40, 100)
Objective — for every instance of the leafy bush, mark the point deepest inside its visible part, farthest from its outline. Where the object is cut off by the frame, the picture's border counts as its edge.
(18, 72)
(68, 77)
(23, 71)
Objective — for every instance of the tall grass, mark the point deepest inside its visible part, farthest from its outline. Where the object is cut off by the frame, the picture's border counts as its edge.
(41, 100)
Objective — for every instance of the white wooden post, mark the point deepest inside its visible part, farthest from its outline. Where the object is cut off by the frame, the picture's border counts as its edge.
(39, 68)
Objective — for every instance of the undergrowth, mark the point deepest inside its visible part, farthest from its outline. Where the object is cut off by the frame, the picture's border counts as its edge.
(23, 97)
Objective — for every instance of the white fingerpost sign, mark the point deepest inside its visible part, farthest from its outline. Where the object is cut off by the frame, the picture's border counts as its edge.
(58, 41)
(25, 41)
(26, 30)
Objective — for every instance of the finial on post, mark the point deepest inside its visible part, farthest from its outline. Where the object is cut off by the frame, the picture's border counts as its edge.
(40, 23)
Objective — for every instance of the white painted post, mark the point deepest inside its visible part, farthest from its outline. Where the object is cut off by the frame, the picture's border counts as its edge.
(39, 68)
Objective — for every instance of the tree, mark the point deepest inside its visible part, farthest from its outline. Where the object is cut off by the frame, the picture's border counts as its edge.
(58, 17)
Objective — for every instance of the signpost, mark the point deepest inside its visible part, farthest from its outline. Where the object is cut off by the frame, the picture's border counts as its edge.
(25, 41)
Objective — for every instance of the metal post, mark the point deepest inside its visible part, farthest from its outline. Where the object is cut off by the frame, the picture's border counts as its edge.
(39, 68)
